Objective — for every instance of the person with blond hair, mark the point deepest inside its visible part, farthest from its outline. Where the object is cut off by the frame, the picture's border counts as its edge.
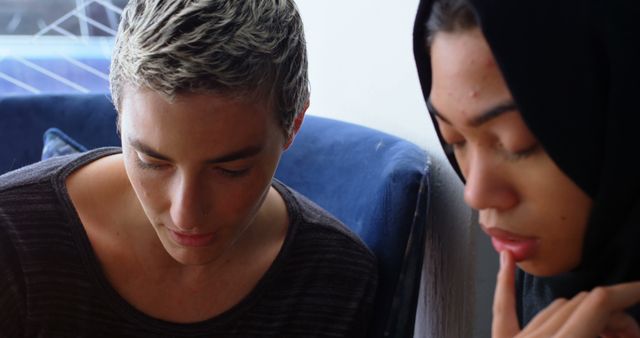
(184, 232)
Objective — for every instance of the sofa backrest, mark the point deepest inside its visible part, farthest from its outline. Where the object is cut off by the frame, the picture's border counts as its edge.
(89, 119)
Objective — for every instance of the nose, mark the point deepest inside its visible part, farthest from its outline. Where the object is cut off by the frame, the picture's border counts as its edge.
(487, 184)
(187, 203)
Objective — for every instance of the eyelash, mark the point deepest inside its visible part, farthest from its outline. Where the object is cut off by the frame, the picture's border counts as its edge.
(450, 148)
(522, 154)
(147, 165)
(233, 173)
(158, 166)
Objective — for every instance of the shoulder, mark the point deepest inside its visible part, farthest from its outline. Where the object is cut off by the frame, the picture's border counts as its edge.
(12, 287)
(32, 198)
(325, 267)
(34, 173)
(316, 230)
(46, 170)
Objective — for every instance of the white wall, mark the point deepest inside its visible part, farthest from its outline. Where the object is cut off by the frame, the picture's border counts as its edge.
(362, 71)
(361, 64)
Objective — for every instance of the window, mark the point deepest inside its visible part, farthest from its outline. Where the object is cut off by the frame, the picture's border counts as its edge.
(56, 46)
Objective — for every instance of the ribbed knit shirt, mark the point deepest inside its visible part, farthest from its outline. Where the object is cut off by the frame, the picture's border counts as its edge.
(321, 284)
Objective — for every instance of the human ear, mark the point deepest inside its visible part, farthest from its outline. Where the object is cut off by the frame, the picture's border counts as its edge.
(297, 123)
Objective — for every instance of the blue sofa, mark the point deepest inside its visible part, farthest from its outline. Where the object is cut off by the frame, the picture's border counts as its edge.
(375, 183)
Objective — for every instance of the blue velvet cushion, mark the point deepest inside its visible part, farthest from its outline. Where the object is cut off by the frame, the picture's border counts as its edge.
(88, 119)
(376, 184)
(57, 143)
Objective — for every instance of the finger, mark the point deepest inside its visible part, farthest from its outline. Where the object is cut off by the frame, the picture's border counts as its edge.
(505, 320)
(544, 315)
(621, 325)
(557, 319)
(591, 318)
(610, 335)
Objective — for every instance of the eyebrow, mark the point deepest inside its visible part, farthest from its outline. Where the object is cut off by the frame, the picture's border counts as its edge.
(243, 153)
(483, 118)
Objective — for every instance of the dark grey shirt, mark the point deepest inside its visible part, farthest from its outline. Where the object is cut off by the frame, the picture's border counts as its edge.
(321, 284)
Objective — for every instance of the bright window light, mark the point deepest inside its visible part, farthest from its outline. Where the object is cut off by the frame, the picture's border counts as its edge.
(56, 46)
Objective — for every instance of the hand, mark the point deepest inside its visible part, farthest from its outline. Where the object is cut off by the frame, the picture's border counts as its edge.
(599, 312)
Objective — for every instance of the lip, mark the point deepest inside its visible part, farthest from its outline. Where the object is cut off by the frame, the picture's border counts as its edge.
(191, 240)
(522, 247)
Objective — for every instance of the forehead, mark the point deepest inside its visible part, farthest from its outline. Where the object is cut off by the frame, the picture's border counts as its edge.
(143, 101)
(208, 119)
(465, 77)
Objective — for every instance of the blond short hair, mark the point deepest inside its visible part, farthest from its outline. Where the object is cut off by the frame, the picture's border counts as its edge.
(237, 47)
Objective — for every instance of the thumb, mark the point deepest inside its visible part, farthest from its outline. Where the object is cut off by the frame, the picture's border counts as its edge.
(621, 325)
(505, 321)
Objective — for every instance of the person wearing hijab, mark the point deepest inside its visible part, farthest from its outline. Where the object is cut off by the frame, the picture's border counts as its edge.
(536, 106)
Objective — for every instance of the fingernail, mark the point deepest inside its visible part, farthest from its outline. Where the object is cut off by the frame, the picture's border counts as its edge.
(503, 258)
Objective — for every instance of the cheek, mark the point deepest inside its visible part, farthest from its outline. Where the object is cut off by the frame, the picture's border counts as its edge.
(461, 157)
(241, 194)
(569, 212)
(563, 203)
(238, 198)
(146, 188)
(149, 188)
(560, 211)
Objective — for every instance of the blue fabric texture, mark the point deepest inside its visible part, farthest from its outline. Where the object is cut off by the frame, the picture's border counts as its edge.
(375, 183)
(88, 119)
(57, 143)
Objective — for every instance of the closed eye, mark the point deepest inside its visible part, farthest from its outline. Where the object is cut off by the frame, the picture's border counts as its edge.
(146, 163)
(233, 172)
(519, 155)
(451, 147)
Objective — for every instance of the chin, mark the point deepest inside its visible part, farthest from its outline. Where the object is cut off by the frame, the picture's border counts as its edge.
(191, 256)
(192, 259)
(540, 269)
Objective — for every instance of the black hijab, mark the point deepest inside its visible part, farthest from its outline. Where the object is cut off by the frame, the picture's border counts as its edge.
(573, 68)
